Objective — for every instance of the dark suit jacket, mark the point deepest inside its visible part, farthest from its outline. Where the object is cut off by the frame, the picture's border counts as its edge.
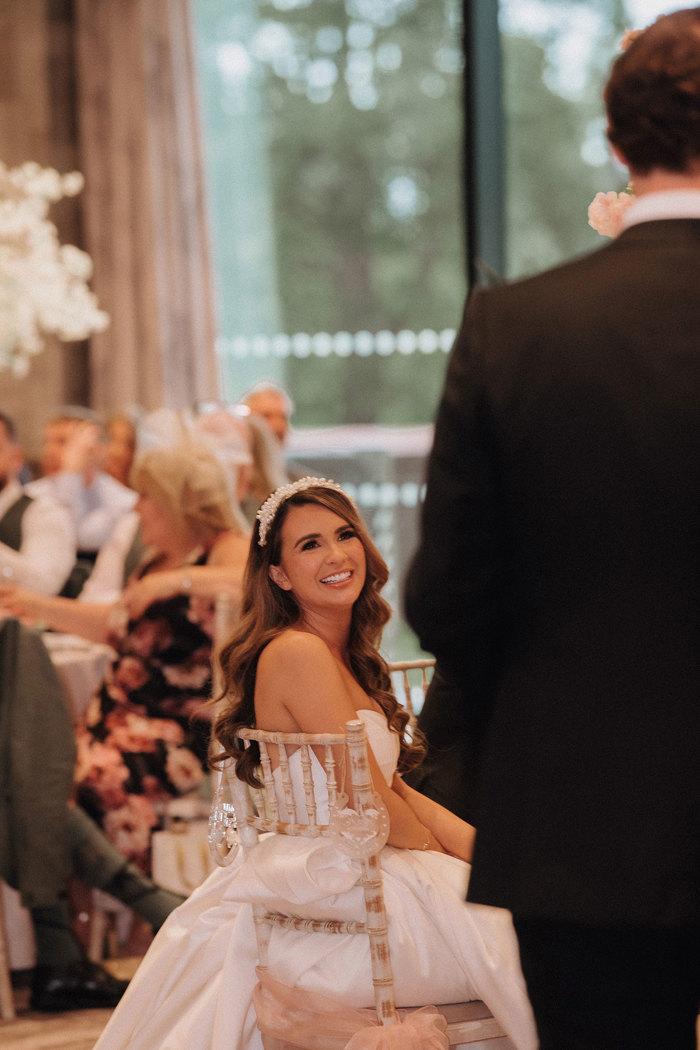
(453, 731)
(558, 577)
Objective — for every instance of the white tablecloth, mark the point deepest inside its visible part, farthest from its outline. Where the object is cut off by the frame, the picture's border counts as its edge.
(81, 666)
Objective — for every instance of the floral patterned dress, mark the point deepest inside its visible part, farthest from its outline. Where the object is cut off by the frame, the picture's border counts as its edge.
(146, 736)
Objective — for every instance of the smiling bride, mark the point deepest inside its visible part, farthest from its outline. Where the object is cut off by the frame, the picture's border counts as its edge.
(304, 657)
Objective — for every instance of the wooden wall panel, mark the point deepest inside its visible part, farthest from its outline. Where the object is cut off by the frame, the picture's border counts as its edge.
(108, 87)
(37, 122)
(145, 216)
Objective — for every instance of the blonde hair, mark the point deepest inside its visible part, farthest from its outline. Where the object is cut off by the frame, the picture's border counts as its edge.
(188, 481)
(267, 610)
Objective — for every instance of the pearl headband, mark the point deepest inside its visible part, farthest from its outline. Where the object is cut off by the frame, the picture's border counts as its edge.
(273, 502)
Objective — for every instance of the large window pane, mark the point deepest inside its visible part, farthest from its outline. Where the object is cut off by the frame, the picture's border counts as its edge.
(333, 138)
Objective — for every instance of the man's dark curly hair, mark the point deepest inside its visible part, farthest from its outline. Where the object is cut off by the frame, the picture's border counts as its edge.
(653, 96)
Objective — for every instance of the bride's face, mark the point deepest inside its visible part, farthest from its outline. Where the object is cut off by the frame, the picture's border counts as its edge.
(323, 561)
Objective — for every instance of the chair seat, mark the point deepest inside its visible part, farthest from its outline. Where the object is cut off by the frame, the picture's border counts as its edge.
(472, 1024)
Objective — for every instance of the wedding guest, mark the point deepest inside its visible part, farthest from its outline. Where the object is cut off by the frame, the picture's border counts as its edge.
(37, 540)
(305, 658)
(269, 403)
(230, 435)
(146, 737)
(117, 560)
(254, 453)
(557, 581)
(70, 463)
(120, 446)
(46, 839)
(272, 403)
(227, 436)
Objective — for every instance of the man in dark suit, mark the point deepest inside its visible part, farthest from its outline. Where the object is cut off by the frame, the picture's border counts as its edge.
(558, 580)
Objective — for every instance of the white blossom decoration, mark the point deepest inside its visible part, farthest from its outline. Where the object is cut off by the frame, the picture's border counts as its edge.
(43, 284)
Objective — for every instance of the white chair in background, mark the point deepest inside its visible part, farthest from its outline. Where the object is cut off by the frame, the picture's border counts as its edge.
(259, 810)
(413, 674)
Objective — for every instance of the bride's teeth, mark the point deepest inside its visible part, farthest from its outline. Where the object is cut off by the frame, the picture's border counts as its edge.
(336, 578)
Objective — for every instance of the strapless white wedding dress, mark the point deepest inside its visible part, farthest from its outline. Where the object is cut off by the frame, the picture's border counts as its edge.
(193, 990)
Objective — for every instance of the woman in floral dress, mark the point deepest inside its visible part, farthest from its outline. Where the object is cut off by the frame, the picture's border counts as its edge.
(145, 737)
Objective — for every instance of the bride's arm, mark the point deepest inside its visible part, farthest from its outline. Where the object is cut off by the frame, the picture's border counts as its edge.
(455, 835)
(299, 687)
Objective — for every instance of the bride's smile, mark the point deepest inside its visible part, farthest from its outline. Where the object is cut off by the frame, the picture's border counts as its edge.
(338, 577)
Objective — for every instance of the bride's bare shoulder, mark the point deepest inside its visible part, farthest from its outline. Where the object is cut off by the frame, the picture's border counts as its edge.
(299, 685)
(293, 647)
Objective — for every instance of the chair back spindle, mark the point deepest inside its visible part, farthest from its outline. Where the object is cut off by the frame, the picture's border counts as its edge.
(410, 671)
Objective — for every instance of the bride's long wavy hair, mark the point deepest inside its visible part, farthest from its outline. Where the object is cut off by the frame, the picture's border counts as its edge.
(267, 610)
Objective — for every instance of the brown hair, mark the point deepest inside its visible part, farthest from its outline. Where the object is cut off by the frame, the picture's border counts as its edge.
(653, 95)
(267, 610)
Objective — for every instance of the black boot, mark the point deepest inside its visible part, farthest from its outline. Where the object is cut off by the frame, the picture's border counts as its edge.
(64, 979)
(79, 985)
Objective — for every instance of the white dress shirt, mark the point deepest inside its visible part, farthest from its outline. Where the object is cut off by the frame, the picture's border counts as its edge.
(666, 204)
(106, 581)
(95, 508)
(47, 550)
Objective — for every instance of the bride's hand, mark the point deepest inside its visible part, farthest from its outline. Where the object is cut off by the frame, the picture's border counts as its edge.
(455, 836)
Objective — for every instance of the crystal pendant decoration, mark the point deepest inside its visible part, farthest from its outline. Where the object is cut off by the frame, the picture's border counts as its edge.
(359, 835)
(223, 828)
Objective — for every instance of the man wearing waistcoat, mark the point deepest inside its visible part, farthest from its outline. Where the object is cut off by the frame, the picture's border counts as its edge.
(37, 539)
(558, 582)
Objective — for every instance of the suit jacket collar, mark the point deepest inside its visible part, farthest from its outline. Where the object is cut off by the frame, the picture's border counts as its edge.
(662, 231)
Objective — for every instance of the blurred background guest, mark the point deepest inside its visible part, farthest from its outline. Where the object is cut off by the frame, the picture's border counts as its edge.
(249, 446)
(37, 539)
(229, 434)
(70, 461)
(120, 445)
(228, 437)
(70, 464)
(273, 404)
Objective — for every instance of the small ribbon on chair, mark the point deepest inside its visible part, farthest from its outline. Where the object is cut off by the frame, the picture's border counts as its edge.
(295, 1019)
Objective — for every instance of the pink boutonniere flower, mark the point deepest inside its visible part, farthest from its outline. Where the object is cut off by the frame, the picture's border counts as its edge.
(606, 210)
(629, 37)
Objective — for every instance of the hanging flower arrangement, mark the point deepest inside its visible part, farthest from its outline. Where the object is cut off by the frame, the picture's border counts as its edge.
(43, 283)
